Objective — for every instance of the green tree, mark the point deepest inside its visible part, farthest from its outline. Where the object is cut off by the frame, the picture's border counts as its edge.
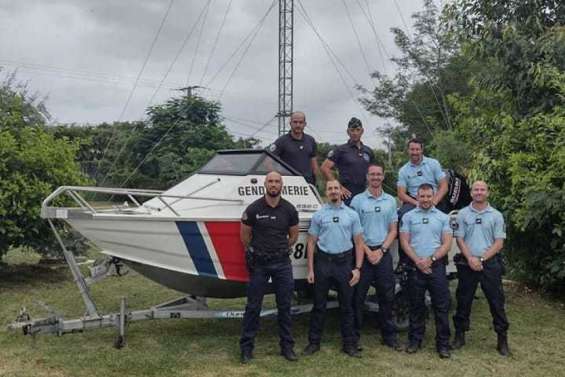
(514, 119)
(32, 164)
(428, 69)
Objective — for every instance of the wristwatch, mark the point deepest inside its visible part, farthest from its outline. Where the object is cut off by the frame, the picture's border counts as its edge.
(434, 258)
(482, 259)
(384, 250)
(357, 268)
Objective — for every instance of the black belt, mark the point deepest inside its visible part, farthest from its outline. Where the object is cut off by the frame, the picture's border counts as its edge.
(341, 257)
(375, 247)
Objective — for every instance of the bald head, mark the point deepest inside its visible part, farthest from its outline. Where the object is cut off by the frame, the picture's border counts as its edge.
(273, 184)
(298, 115)
(297, 123)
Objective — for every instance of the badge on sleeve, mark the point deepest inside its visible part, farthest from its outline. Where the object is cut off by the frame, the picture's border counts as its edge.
(330, 153)
(244, 216)
(272, 147)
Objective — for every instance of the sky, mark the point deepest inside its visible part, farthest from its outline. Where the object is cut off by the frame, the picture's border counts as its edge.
(108, 60)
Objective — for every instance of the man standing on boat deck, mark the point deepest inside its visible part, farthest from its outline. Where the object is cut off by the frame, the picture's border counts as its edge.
(480, 235)
(352, 160)
(377, 212)
(425, 235)
(269, 227)
(419, 170)
(333, 260)
(297, 148)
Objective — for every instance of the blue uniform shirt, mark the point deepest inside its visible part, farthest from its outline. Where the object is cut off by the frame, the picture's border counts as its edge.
(426, 228)
(412, 176)
(376, 214)
(479, 229)
(335, 227)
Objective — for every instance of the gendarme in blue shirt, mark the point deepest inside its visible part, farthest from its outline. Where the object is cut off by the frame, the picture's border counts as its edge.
(412, 176)
(479, 229)
(376, 214)
(426, 228)
(335, 227)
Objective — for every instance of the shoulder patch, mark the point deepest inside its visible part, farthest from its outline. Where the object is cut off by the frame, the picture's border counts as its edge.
(272, 147)
(244, 216)
(330, 153)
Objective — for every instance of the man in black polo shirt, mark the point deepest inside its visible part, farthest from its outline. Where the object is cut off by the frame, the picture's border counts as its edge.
(269, 227)
(352, 161)
(297, 148)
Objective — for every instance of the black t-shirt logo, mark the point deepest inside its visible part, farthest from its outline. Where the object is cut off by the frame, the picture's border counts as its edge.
(377, 209)
(419, 173)
(301, 147)
(478, 220)
(336, 219)
(425, 220)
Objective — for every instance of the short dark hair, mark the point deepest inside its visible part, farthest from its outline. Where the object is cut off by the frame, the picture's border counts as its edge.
(376, 165)
(425, 186)
(416, 141)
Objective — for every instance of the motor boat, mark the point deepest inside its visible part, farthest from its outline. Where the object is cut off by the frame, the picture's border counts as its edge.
(187, 237)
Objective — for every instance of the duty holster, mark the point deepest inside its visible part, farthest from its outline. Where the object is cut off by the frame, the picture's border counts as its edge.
(250, 259)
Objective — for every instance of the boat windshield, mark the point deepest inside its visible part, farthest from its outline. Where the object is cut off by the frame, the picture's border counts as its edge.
(243, 164)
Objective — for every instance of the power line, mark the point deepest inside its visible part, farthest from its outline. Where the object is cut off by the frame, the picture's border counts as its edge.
(189, 33)
(198, 42)
(357, 37)
(237, 49)
(380, 46)
(216, 42)
(443, 111)
(331, 55)
(146, 60)
(262, 21)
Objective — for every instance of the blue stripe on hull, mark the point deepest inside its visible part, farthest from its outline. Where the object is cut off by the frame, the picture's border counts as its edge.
(196, 247)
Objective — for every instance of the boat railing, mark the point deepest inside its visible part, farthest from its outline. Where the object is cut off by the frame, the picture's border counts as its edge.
(47, 211)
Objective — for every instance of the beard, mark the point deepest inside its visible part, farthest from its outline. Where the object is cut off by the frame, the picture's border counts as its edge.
(274, 193)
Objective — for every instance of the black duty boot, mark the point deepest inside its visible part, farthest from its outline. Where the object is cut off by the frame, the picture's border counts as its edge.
(458, 341)
(502, 345)
(413, 347)
(443, 353)
(351, 350)
(246, 356)
(288, 353)
(311, 349)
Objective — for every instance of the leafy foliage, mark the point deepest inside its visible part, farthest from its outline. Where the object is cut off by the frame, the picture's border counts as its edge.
(500, 116)
(32, 164)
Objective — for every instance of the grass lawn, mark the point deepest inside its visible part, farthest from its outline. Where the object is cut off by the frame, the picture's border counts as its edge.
(210, 347)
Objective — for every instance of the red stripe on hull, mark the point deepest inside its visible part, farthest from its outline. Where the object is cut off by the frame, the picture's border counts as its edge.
(225, 237)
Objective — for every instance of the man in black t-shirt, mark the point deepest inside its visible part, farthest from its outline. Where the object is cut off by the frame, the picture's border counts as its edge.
(297, 148)
(269, 227)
